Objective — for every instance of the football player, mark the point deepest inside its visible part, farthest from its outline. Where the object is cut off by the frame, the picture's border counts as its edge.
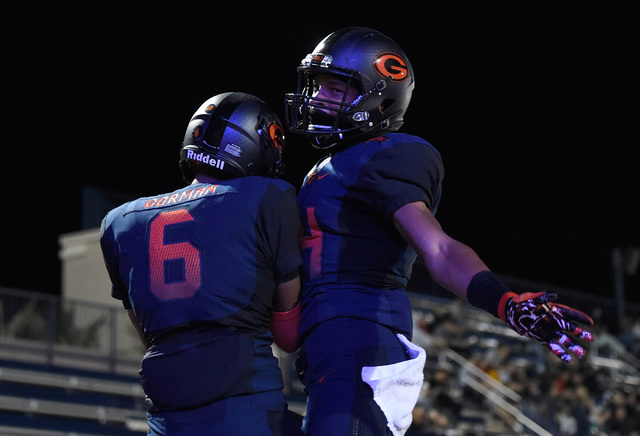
(209, 276)
(368, 210)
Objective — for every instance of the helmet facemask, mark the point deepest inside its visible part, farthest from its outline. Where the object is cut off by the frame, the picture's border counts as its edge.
(327, 121)
(364, 59)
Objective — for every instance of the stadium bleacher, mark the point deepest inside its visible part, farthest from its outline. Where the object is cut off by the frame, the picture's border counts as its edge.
(480, 379)
(42, 399)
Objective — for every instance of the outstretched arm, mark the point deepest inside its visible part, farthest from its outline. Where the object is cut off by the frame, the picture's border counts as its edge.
(451, 263)
(457, 268)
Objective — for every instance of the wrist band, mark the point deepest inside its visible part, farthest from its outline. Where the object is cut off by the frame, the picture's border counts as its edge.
(486, 292)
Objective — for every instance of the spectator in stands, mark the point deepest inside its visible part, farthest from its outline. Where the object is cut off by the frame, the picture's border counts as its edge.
(629, 335)
(207, 270)
(583, 407)
(566, 420)
(427, 415)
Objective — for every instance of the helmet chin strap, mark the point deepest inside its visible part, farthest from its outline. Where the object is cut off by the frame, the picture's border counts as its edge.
(321, 120)
(325, 130)
(323, 141)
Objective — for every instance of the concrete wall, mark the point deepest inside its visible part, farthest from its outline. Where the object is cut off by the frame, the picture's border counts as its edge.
(84, 276)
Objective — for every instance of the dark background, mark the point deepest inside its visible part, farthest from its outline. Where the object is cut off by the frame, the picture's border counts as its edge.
(533, 106)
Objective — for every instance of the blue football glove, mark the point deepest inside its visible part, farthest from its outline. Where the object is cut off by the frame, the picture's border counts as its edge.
(553, 325)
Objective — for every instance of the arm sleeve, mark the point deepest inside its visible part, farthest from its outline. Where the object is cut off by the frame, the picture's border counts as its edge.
(284, 328)
(405, 173)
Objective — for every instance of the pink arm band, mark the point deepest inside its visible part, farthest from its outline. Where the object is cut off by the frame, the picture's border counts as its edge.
(284, 328)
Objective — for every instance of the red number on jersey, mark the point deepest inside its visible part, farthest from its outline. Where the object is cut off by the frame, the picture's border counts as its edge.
(160, 253)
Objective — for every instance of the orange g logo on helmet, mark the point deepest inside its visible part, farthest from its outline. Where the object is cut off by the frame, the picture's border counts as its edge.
(277, 135)
(197, 132)
(390, 64)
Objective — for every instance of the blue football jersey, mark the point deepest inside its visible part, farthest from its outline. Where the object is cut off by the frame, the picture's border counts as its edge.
(356, 263)
(199, 267)
(204, 253)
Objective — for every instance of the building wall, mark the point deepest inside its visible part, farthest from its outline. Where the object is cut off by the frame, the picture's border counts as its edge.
(84, 276)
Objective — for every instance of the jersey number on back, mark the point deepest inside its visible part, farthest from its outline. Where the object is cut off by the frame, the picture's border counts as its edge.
(175, 267)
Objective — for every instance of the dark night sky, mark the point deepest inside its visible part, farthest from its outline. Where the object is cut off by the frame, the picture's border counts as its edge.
(533, 106)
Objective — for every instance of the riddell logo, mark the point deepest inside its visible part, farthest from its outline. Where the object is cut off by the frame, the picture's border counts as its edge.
(205, 158)
(389, 64)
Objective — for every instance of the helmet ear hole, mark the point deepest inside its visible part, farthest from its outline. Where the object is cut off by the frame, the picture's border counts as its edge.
(386, 104)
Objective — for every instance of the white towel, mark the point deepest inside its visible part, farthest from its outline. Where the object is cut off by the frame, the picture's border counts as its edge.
(396, 387)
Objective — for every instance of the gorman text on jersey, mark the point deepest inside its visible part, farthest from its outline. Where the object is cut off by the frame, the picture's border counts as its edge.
(178, 197)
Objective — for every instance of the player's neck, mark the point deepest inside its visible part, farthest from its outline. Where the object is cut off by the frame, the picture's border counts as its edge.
(203, 178)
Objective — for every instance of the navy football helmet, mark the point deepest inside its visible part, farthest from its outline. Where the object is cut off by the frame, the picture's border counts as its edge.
(364, 59)
(233, 135)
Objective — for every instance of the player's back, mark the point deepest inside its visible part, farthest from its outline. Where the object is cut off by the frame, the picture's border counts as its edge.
(200, 254)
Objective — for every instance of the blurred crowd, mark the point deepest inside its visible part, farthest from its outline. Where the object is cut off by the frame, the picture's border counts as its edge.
(598, 395)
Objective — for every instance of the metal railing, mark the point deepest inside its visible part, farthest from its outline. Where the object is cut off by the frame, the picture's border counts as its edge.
(47, 329)
(41, 328)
